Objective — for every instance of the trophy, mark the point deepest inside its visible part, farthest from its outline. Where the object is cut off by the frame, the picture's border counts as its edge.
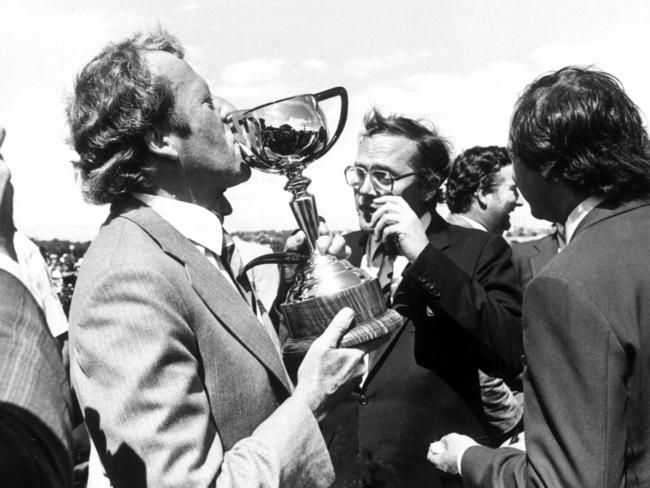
(284, 137)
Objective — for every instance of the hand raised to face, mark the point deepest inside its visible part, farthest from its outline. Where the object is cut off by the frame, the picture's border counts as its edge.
(395, 219)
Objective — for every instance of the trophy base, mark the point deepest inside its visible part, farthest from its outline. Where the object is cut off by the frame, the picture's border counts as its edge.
(307, 319)
(361, 333)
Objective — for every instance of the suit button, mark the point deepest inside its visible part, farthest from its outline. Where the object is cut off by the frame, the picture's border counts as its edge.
(435, 290)
(363, 400)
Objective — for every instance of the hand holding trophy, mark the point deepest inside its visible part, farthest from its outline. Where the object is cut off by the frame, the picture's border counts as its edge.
(283, 137)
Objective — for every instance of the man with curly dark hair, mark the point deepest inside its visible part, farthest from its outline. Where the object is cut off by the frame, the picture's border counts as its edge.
(175, 362)
(481, 191)
(582, 158)
(481, 194)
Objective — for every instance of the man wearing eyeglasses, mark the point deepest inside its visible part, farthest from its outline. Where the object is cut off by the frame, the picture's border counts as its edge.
(454, 284)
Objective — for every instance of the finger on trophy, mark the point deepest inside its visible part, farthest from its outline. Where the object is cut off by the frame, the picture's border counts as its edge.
(296, 242)
(323, 229)
(339, 248)
(323, 244)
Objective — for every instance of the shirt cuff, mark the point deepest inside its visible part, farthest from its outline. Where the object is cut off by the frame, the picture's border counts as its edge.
(459, 458)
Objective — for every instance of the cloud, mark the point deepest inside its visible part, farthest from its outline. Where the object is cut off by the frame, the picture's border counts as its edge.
(255, 71)
(189, 5)
(258, 71)
(313, 65)
(360, 67)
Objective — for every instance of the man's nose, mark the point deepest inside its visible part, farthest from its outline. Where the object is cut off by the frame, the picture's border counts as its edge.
(366, 187)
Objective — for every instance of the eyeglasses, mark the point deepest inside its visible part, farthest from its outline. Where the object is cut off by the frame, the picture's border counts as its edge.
(379, 178)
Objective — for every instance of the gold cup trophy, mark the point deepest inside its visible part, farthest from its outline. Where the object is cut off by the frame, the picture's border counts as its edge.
(284, 137)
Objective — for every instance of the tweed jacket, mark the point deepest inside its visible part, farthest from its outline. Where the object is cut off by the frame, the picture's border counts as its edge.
(179, 383)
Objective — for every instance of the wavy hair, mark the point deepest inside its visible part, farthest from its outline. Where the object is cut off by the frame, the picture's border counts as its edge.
(431, 159)
(116, 100)
(581, 124)
(474, 170)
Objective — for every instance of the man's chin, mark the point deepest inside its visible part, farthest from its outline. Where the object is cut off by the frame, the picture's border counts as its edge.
(245, 171)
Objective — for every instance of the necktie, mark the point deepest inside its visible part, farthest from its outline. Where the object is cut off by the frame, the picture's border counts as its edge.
(233, 263)
(385, 263)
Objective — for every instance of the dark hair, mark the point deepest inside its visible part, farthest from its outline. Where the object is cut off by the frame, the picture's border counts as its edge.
(475, 169)
(116, 101)
(431, 159)
(581, 121)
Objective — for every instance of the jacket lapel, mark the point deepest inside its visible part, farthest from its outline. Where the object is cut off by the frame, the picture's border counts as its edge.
(223, 300)
(438, 231)
(544, 250)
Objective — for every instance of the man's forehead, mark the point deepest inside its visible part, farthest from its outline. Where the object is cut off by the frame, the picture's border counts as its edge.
(506, 173)
(386, 149)
(176, 70)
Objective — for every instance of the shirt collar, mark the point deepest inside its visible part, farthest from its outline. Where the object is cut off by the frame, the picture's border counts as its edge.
(578, 214)
(371, 245)
(196, 223)
(474, 224)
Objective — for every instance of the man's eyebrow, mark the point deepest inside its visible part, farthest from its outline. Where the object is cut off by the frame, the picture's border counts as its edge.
(382, 167)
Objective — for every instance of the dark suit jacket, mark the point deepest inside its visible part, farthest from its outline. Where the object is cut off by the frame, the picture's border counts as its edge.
(35, 403)
(179, 383)
(530, 257)
(426, 382)
(587, 341)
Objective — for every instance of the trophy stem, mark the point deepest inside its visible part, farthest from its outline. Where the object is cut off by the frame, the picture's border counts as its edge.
(303, 206)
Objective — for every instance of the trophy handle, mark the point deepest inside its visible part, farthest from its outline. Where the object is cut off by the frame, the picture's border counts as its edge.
(337, 91)
(286, 257)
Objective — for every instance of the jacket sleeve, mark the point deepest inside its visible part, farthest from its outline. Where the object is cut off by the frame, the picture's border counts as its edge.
(485, 303)
(136, 369)
(575, 397)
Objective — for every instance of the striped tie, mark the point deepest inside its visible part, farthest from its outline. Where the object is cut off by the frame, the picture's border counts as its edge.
(233, 263)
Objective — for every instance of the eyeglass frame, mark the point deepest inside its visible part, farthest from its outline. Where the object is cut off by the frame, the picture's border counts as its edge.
(372, 180)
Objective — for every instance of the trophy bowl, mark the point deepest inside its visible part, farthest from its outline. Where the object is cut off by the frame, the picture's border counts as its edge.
(284, 137)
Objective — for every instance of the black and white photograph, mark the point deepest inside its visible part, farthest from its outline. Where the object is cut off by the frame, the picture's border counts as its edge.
(349, 244)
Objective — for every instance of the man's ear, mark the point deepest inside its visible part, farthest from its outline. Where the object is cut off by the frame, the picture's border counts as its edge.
(161, 143)
(481, 199)
(431, 189)
(546, 169)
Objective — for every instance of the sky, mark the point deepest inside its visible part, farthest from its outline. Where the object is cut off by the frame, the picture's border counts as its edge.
(458, 63)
